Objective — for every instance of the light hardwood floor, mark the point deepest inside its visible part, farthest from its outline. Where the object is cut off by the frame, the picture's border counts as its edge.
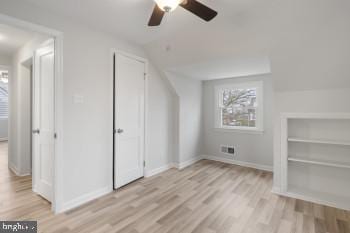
(207, 197)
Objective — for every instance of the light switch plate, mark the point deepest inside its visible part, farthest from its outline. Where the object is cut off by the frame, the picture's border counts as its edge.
(78, 99)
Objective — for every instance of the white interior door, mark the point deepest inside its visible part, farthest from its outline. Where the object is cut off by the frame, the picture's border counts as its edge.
(43, 121)
(129, 119)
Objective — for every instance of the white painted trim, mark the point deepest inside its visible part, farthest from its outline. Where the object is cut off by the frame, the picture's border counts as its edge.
(187, 163)
(178, 166)
(156, 171)
(240, 163)
(276, 190)
(218, 90)
(15, 22)
(15, 170)
(335, 115)
(282, 167)
(146, 134)
(319, 141)
(285, 116)
(85, 198)
(322, 163)
(311, 199)
(132, 56)
(58, 37)
(244, 131)
(58, 161)
(284, 154)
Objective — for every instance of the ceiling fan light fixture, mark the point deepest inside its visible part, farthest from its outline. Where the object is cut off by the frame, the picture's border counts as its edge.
(168, 5)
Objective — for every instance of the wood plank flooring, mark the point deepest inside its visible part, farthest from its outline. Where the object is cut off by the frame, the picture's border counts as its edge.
(207, 197)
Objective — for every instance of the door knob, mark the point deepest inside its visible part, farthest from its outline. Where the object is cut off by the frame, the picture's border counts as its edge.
(36, 131)
(120, 131)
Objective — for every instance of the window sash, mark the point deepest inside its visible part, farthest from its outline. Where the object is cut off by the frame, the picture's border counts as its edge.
(219, 106)
(3, 103)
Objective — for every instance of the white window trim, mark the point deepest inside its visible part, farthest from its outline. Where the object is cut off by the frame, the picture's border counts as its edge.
(259, 114)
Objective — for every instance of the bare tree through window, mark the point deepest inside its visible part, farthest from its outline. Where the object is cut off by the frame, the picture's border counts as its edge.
(239, 107)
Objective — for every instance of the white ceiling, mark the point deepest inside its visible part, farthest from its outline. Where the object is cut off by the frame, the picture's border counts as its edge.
(129, 18)
(224, 68)
(12, 38)
(305, 41)
(189, 38)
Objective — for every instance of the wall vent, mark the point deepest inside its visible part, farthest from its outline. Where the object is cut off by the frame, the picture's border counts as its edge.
(227, 149)
(224, 149)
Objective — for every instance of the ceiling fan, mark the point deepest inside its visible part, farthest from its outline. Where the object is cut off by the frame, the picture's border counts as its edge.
(195, 7)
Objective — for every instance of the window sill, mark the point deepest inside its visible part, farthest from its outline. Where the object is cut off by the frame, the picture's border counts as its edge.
(243, 131)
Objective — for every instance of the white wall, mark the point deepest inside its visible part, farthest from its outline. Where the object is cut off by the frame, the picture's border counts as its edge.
(20, 107)
(253, 148)
(87, 127)
(189, 110)
(311, 101)
(161, 118)
(3, 129)
(5, 59)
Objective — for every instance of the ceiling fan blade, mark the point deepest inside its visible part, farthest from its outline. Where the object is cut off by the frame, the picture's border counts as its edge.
(156, 17)
(199, 9)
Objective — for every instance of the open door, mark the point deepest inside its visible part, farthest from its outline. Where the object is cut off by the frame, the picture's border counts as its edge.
(43, 120)
(129, 119)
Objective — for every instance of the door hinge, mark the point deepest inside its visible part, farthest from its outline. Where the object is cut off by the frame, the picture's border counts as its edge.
(55, 135)
(144, 76)
(144, 163)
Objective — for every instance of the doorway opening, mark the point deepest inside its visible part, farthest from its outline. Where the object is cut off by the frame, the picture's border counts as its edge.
(28, 122)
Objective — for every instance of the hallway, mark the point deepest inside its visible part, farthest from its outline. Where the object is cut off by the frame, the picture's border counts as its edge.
(17, 200)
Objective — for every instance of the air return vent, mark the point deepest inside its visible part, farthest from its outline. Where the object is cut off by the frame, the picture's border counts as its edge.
(227, 149)
(224, 149)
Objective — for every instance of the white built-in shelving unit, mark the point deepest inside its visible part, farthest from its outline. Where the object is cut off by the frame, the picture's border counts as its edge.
(315, 158)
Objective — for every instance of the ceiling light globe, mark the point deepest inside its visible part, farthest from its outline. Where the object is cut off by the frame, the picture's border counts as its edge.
(168, 5)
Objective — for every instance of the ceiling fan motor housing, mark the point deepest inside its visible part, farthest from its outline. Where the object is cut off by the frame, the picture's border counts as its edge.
(168, 5)
(193, 6)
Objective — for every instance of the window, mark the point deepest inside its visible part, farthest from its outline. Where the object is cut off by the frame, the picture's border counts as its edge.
(239, 106)
(3, 94)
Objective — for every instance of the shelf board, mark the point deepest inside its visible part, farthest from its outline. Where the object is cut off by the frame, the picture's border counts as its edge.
(319, 141)
(319, 162)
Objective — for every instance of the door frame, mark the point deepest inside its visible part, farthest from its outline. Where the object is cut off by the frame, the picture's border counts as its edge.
(57, 199)
(114, 53)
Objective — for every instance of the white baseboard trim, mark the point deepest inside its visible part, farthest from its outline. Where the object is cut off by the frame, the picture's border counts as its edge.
(179, 166)
(15, 170)
(240, 163)
(156, 171)
(312, 199)
(84, 199)
(187, 163)
(276, 190)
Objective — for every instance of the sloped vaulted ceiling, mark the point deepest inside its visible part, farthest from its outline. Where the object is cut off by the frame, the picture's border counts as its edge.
(305, 41)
